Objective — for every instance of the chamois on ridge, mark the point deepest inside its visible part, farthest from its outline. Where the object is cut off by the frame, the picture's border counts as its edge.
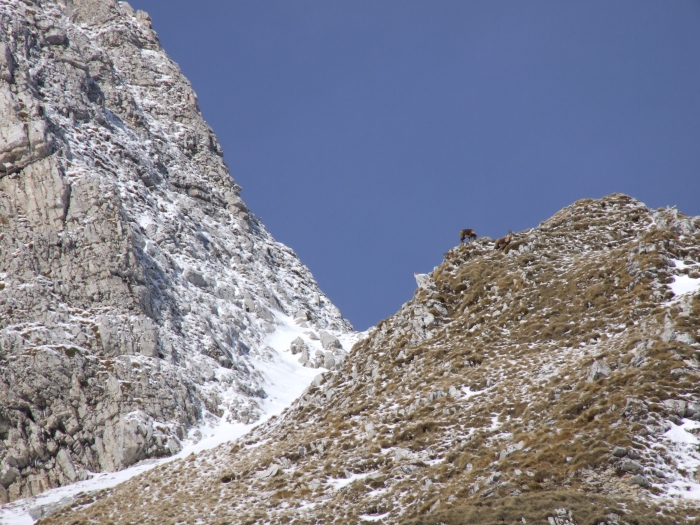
(503, 241)
(467, 233)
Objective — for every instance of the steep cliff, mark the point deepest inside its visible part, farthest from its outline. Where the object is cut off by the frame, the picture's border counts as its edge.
(138, 294)
(554, 381)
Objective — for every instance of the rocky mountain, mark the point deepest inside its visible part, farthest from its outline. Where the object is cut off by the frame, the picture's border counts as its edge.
(139, 297)
(554, 381)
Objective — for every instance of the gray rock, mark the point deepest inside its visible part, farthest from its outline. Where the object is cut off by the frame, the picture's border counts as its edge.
(63, 460)
(675, 406)
(319, 359)
(619, 452)
(640, 480)
(7, 475)
(297, 346)
(436, 394)
(685, 338)
(41, 511)
(401, 454)
(14, 143)
(328, 361)
(632, 454)
(270, 472)
(329, 341)
(196, 278)
(370, 430)
(304, 359)
(598, 370)
(677, 372)
(692, 410)
(302, 315)
(36, 133)
(511, 449)
(56, 37)
(7, 66)
(629, 465)
(657, 472)
(314, 484)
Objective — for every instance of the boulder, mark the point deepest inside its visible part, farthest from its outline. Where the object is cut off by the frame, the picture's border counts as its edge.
(640, 480)
(56, 36)
(693, 411)
(329, 341)
(598, 370)
(64, 461)
(269, 472)
(619, 452)
(297, 346)
(629, 465)
(676, 406)
(195, 278)
(8, 475)
(302, 315)
(401, 454)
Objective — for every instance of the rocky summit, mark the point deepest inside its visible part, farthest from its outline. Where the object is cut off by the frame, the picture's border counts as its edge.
(555, 380)
(139, 297)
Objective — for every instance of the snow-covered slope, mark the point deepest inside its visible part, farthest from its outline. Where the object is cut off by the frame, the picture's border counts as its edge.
(139, 297)
(554, 381)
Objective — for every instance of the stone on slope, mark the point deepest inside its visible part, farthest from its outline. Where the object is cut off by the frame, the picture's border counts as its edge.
(297, 346)
(598, 370)
(329, 341)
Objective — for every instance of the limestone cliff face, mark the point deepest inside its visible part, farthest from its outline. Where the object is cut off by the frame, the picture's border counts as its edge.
(136, 288)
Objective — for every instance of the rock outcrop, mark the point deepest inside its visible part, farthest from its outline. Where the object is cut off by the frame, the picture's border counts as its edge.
(136, 288)
(554, 381)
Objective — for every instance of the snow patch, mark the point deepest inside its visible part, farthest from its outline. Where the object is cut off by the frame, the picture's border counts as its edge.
(373, 517)
(683, 284)
(344, 482)
(682, 445)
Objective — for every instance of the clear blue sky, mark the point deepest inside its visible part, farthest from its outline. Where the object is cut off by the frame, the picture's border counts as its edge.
(367, 133)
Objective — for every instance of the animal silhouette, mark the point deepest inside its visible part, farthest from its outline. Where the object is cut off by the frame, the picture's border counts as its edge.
(503, 241)
(467, 234)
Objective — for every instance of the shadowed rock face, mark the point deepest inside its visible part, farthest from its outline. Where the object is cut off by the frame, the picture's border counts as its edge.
(135, 285)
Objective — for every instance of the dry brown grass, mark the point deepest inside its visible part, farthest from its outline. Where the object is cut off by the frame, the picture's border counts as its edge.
(586, 509)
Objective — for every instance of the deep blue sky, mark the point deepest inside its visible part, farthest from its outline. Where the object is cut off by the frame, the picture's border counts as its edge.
(367, 133)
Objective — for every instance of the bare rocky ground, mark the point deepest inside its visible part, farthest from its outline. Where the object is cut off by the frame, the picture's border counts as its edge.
(555, 381)
(137, 291)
